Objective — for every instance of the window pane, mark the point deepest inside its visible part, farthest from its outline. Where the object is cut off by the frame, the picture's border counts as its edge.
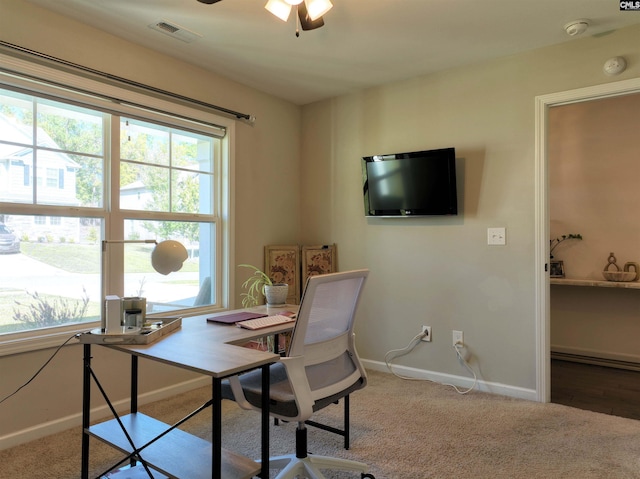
(145, 188)
(191, 151)
(46, 171)
(144, 142)
(150, 181)
(69, 128)
(191, 286)
(87, 182)
(50, 272)
(16, 175)
(191, 192)
(16, 121)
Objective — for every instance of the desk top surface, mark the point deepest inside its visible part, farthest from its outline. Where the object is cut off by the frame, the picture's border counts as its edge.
(210, 348)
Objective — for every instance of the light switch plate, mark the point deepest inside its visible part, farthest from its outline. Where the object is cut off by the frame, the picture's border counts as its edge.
(496, 236)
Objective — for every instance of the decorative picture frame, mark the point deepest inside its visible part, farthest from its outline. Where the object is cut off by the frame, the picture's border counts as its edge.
(556, 269)
(319, 259)
(282, 265)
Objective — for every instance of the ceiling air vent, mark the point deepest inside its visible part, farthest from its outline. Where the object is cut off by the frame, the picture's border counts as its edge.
(175, 31)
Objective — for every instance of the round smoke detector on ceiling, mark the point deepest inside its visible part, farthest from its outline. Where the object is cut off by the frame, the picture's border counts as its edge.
(615, 66)
(576, 27)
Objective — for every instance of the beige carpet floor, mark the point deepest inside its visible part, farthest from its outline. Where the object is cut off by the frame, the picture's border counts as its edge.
(403, 429)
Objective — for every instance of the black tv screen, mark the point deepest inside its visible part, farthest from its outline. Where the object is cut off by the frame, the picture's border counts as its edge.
(420, 183)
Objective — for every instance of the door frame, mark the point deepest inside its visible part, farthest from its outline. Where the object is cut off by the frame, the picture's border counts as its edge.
(541, 255)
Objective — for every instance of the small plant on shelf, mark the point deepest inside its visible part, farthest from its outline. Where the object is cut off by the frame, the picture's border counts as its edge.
(254, 285)
(260, 284)
(556, 241)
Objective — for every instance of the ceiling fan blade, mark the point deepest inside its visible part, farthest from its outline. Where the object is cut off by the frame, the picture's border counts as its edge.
(209, 2)
(305, 21)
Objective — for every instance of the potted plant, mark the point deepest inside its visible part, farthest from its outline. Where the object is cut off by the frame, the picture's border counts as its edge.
(260, 284)
(555, 242)
(557, 267)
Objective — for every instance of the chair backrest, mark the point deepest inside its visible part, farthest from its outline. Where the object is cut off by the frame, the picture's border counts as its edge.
(323, 334)
(204, 294)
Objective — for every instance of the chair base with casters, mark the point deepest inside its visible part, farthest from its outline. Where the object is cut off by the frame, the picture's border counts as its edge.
(309, 465)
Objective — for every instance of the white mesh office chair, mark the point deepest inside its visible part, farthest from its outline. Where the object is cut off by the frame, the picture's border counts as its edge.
(320, 367)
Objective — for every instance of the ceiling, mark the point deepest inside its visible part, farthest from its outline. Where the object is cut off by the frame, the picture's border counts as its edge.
(363, 43)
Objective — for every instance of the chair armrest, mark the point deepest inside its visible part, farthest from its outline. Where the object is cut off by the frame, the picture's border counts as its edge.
(238, 393)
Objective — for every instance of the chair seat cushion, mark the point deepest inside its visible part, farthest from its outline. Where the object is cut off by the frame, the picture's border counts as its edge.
(282, 401)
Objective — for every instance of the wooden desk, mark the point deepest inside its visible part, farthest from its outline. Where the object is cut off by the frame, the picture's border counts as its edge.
(206, 348)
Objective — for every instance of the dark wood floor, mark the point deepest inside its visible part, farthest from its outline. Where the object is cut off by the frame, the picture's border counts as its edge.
(596, 388)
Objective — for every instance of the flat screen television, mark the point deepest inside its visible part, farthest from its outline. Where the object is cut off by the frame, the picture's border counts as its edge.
(420, 183)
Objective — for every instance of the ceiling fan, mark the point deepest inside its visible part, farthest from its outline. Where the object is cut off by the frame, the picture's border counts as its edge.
(310, 12)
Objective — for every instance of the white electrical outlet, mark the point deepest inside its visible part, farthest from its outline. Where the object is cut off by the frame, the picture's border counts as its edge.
(426, 330)
(458, 338)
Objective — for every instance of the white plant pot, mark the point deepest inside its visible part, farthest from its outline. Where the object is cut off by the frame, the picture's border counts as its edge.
(276, 294)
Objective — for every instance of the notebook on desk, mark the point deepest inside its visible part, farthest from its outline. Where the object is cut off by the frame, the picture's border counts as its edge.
(233, 318)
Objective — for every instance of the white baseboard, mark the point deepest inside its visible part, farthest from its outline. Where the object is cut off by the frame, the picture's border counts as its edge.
(75, 420)
(586, 357)
(459, 381)
(612, 356)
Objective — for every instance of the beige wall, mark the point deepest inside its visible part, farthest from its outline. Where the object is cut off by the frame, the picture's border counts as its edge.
(266, 167)
(440, 271)
(594, 175)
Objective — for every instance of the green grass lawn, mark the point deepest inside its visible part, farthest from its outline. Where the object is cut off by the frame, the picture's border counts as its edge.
(74, 258)
(81, 258)
(8, 305)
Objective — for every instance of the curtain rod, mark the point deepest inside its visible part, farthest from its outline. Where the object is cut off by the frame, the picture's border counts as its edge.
(244, 116)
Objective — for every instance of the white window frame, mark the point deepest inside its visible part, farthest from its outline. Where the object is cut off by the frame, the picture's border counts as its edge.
(16, 72)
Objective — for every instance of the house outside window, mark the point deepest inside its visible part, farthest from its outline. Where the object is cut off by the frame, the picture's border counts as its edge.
(72, 175)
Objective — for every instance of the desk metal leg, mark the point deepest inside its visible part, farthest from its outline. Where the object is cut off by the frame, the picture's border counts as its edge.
(264, 472)
(134, 383)
(216, 430)
(134, 394)
(86, 408)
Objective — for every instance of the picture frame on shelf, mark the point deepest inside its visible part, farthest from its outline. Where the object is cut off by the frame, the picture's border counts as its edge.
(282, 265)
(556, 269)
(321, 259)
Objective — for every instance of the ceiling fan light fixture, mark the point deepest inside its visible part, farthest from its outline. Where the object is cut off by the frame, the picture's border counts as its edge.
(317, 8)
(279, 8)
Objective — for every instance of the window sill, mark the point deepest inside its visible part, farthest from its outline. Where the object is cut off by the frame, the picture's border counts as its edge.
(17, 343)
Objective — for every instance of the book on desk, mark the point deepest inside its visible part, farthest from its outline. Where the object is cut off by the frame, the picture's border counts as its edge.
(252, 320)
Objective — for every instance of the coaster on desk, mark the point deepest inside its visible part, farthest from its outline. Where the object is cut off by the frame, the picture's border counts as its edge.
(235, 317)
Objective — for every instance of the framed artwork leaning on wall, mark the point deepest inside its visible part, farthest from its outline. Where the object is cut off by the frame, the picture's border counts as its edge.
(282, 265)
(319, 259)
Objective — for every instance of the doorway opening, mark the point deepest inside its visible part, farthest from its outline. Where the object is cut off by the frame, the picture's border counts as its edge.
(543, 313)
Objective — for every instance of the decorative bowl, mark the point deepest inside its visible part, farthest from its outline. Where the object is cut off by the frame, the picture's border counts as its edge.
(619, 275)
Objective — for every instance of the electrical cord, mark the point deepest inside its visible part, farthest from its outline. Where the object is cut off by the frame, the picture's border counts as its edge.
(41, 368)
(406, 350)
(409, 347)
(457, 347)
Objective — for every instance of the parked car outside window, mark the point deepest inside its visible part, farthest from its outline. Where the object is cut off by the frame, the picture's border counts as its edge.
(9, 243)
